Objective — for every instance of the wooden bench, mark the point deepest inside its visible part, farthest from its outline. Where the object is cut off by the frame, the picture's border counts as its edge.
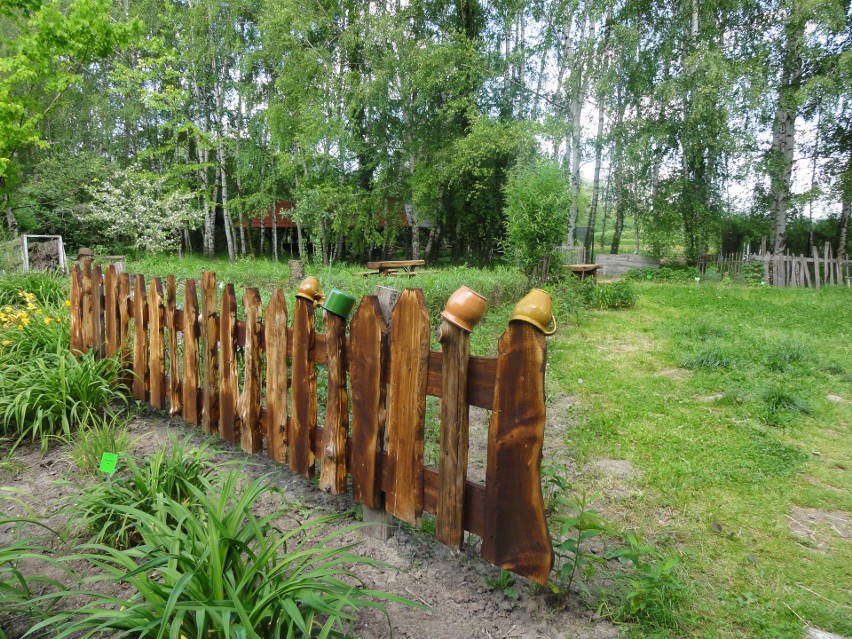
(582, 270)
(393, 267)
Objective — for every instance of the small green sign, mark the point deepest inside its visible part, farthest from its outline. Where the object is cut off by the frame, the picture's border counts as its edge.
(108, 462)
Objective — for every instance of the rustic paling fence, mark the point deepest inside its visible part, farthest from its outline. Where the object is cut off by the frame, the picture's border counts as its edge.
(188, 360)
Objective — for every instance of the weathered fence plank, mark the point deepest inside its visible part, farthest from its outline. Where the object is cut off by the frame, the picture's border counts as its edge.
(453, 445)
(367, 338)
(172, 325)
(209, 355)
(156, 345)
(141, 379)
(124, 315)
(76, 310)
(191, 410)
(516, 535)
(276, 376)
(111, 315)
(251, 438)
(333, 467)
(816, 266)
(97, 310)
(229, 427)
(409, 364)
(88, 324)
(303, 421)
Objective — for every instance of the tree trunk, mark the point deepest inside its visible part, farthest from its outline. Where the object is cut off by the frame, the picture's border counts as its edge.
(844, 225)
(11, 221)
(226, 212)
(596, 185)
(606, 208)
(274, 219)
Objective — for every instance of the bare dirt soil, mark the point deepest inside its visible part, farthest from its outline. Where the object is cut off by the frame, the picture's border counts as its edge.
(452, 584)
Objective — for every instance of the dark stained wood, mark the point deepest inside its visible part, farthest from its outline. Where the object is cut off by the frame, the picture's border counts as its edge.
(453, 445)
(156, 343)
(303, 420)
(125, 311)
(173, 325)
(191, 404)
(409, 363)
(333, 469)
(481, 374)
(251, 437)
(229, 427)
(97, 311)
(516, 535)
(276, 376)
(76, 310)
(111, 314)
(88, 324)
(209, 354)
(367, 341)
(140, 340)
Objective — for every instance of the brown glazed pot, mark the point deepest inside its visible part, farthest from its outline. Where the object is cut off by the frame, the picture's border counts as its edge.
(464, 308)
(309, 289)
(536, 308)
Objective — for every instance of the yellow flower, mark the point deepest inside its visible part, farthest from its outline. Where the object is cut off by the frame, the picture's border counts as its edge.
(6, 342)
(39, 312)
(48, 320)
(8, 309)
(26, 321)
(20, 328)
(31, 306)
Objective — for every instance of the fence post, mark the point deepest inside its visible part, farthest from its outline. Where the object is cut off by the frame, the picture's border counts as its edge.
(191, 409)
(251, 439)
(303, 420)
(229, 427)
(209, 339)
(516, 535)
(97, 311)
(175, 394)
(157, 345)
(276, 376)
(333, 467)
(76, 310)
(111, 312)
(141, 379)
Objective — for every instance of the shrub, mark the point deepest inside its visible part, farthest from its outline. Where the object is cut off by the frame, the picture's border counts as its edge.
(47, 289)
(664, 274)
(210, 567)
(612, 295)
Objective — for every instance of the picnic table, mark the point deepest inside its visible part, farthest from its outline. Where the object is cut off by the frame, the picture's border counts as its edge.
(582, 270)
(393, 267)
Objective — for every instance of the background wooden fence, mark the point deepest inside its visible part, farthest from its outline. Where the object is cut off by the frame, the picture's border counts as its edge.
(379, 374)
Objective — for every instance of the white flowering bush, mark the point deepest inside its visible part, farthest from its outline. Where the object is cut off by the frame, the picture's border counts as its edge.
(141, 209)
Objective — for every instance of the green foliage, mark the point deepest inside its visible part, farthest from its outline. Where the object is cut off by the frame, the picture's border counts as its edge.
(752, 273)
(653, 591)
(109, 511)
(208, 566)
(785, 356)
(582, 524)
(536, 211)
(663, 274)
(105, 435)
(780, 405)
(48, 289)
(711, 356)
(610, 295)
(505, 583)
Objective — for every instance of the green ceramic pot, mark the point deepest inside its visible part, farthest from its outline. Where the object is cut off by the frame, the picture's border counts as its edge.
(339, 303)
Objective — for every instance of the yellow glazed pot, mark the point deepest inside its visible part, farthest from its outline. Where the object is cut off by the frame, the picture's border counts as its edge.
(536, 308)
(464, 308)
(309, 289)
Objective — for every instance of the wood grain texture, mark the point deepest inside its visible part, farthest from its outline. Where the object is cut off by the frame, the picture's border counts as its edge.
(97, 311)
(141, 378)
(209, 354)
(481, 374)
(156, 345)
(111, 316)
(333, 468)
(453, 441)
(251, 437)
(229, 427)
(191, 406)
(516, 535)
(88, 325)
(367, 342)
(276, 376)
(303, 421)
(76, 310)
(174, 326)
(124, 315)
(409, 364)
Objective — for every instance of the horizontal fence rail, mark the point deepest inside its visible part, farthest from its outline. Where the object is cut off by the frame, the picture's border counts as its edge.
(254, 381)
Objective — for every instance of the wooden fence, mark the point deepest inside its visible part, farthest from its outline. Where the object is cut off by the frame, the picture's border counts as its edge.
(811, 271)
(186, 359)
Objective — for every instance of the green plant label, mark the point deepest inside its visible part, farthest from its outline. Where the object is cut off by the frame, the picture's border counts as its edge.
(108, 462)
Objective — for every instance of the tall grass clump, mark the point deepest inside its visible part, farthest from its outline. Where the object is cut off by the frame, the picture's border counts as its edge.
(105, 435)
(780, 405)
(208, 566)
(709, 357)
(48, 289)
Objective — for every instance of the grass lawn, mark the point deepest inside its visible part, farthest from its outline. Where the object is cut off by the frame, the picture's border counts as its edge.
(719, 396)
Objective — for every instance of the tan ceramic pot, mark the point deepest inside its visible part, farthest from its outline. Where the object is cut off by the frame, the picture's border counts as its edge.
(309, 289)
(464, 308)
(536, 308)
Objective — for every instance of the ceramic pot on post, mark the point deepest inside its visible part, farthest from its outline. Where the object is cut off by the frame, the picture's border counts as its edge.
(339, 303)
(536, 308)
(309, 289)
(464, 308)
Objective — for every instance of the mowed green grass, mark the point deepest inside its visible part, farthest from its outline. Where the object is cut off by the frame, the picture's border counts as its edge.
(718, 395)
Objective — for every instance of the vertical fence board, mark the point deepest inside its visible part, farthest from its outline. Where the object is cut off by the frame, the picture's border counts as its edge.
(111, 316)
(516, 535)
(229, 390)
(825, 262)
(409, 366)
(209, 339)
(97, 310)
(156, 344)
(367, 336)
(76, 310)
(141, 378)
(88, 324)
(303, 421)
(276, 376)
(175, 397)
(452, 464)
(251, 438)
(333, 460)
(816, 266)
(191, 412)
(124, 316)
